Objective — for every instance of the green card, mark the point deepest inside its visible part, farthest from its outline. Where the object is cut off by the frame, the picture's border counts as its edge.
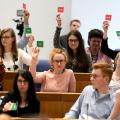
(28, 30)
(118, 33)
(14, 106)
(40, 43)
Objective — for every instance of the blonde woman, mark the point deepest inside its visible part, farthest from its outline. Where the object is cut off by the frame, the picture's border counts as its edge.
(58, 78)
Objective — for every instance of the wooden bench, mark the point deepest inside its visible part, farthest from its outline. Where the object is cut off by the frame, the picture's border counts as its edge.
(54, 105)
(82, 79)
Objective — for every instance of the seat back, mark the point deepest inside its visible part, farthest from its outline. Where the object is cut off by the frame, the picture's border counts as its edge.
(42, 65)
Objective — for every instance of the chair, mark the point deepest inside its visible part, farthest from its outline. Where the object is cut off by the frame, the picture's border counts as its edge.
(42, 66)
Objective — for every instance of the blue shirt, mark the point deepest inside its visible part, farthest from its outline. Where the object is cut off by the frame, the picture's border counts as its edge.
(91, 104)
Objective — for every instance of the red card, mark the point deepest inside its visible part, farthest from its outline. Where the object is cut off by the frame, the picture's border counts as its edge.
(108, 17)
(60, 9)
(24, 6)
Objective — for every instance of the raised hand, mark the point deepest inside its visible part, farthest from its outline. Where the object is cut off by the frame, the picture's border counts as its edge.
(7, 106)
(59, 21)
(105, 26)
(35, 53)
(105, 29)
(26, 16)
(31, 40)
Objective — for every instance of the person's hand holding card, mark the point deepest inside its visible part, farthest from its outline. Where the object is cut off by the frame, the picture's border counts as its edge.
(59, 21)
(105, 29)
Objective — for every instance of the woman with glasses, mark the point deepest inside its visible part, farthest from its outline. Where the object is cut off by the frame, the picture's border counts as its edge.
(58, 78)
(12, 57)
(22, 101)
(79, 61)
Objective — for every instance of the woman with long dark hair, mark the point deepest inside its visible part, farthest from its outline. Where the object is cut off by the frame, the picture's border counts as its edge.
(78, 59)
(22, 101)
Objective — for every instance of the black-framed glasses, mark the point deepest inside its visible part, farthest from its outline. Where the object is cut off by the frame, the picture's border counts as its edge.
(22, 81)
(58, 61)
(73, 40)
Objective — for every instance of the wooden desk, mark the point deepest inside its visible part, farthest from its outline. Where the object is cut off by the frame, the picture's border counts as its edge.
(82, 79)
(54, 105)
(8, 81)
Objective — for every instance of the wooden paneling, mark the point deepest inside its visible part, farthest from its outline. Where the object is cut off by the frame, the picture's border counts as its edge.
(54, 105)
(82, 79)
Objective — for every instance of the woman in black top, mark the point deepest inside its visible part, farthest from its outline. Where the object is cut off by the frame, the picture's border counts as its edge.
(78, 60)
(104, 46)
(22, 101)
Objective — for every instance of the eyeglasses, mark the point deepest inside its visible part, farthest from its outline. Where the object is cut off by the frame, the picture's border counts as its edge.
(6, 37)
(58, 61)
(73, 40)
(22, 81)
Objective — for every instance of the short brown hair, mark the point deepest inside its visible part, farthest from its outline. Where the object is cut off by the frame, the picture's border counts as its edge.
(106, 69)
(74, 20)
(58, 51)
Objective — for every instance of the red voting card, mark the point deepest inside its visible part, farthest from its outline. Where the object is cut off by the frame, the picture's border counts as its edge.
(108, 17)
(60, 9)
(24, 6)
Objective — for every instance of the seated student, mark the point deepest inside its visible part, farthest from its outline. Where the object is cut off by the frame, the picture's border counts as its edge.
(104, 46)
(95, 37)
(78, 60)
(22, 101)
(115, 114)
(12, 57)
(58, 78)
(95, 101)
(74, 25)
(115, 82)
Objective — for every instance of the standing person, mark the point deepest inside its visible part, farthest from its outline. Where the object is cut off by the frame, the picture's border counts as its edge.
(58, 78)
(74, 25)
(12, 57)
(104, 47)
(115, 82)
(96, 100)
(95, 37)
(23, 97)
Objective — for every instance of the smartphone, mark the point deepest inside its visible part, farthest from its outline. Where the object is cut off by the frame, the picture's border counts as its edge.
(19, 13)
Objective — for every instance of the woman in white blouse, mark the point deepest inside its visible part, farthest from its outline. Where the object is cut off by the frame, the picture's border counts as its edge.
(12, 57)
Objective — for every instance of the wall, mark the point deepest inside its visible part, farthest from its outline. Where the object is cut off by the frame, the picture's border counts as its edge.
(42, 18)
(92, 13)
